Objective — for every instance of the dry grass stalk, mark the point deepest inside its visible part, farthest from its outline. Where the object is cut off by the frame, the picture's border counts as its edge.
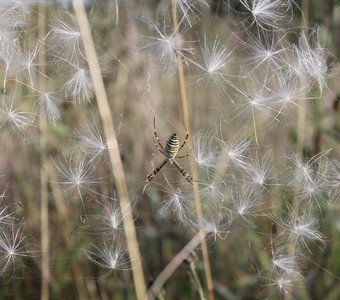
(185, 115)
(44, 214)
(174, 264)
(112, 144)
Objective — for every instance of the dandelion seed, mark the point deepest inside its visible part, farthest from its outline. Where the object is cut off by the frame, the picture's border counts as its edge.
(244, 202)
(267, 52)
(78, 175)
(287, 264)
(15, 13)
(303, 171)
(310, 62)
(214, 227)
(7, 212)
(302, 229)
(9, 50)
(258, 171)
(202, 149)
(257, 98)
(13, 118)
(109, 255)
(110, 218)
(285, 281)
(176, 204)
(216, 60)
(236, 152)
(188, 10)
(79, 85)
(313, 190)
(305, 228)
(29, 64)
(91, 139)
(216, 66)
(212, 189)
(267, 14)
(48, 100)
(66, 37)
(12, 246)
(290, 91)
(165, 46)
(310, 179)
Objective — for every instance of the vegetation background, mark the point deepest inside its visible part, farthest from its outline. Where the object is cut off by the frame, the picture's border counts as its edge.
(261, 79)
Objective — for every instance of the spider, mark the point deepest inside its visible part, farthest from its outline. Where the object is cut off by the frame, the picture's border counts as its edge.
(172, 147)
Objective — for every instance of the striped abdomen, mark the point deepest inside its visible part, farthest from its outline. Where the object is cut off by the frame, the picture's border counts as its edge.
(172, 146)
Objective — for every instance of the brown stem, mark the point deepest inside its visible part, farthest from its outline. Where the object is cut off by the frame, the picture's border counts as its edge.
(185, 115)
(174, 264)
(44, 214)
(113, 147)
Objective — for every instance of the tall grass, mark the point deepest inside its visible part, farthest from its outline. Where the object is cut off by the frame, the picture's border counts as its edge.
(112, 144)
(186, 120)
(45, 243)
(255, 86)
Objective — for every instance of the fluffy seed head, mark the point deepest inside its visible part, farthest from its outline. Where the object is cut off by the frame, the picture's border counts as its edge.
(302, 228)
(65, 38)
(164, 46)
(236, 152)
(109, 255)
(244, 203)
(12, 246)
(267, 14)
(177, 204)
(77, 175)
(202, 149)
(216, 66)
(13, 118)
(91, 139)
(49, 101)
(79, 85)
(310, 62)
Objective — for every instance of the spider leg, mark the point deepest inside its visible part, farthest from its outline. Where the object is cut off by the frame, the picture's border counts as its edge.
(155, 171)
(186, 155)
(158, 147)
(182, 156)
(185, 139)
(156, 140)
(183, 172)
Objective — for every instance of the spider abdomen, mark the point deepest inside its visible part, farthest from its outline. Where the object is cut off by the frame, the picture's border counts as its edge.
(172, 146)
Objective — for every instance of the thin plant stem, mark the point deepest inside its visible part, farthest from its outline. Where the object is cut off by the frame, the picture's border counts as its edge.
(301, 136)
(157, 285)
(113, 148)
(185, 115)
(196, 280)
(44, 214)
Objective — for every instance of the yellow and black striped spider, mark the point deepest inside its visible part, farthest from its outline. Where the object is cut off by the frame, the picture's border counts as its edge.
(172, 147)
